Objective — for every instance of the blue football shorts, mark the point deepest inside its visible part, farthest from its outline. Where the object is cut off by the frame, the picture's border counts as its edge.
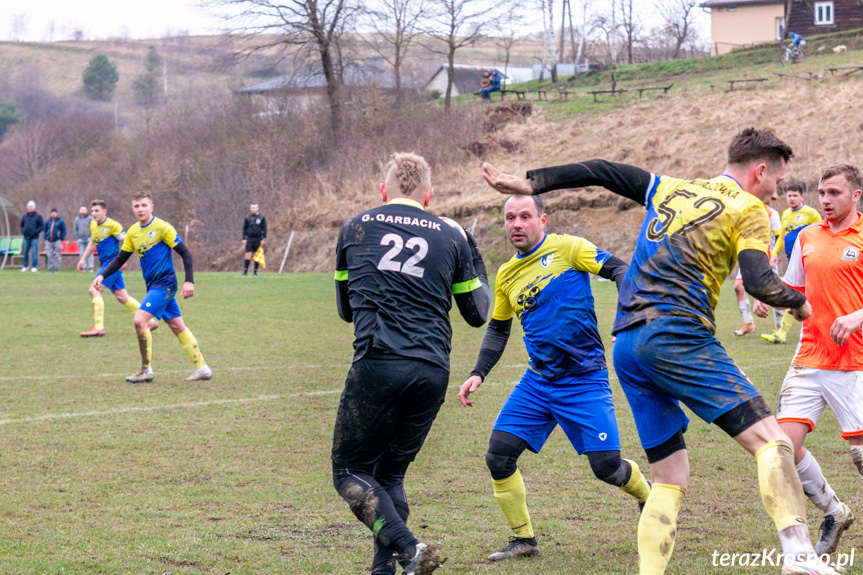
(160, 303)
(581, 404)
(671, 359)
(114, 281)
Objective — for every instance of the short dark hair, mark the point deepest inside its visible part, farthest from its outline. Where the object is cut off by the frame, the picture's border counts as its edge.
(141, 196)
(850, 171)
(54, 211)
(795, 187)
(751, 145)
(100, 203)
(537, 201)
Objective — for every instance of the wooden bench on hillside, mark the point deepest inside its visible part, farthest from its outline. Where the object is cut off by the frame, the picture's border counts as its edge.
(811, 76)
(664, 89)
(594, 93)
(732, 82)
(850, 70)
(562, 94)
(519, 94)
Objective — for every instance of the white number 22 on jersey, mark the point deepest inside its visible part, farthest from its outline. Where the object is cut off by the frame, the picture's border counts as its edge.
(410, 267)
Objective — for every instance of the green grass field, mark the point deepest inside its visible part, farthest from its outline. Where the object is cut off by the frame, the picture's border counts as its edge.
(233, 475)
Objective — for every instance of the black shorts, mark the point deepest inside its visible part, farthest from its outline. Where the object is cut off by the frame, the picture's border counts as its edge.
(252, 244)
(388, 406)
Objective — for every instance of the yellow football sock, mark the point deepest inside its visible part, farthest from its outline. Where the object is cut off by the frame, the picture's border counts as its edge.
(132, 304)
(787, 322)
(657, 528)
(98, 312)
(145, 344)
(511, 496)
(190, 346)
(637, 486)
(781, 490)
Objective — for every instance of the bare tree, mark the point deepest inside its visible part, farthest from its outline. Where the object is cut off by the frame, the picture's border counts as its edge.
(629, 27)
(509, 36)
(677, 22)
(396, 24)
(455, 24)
(551, 55)
(18, 24)
(316, 25)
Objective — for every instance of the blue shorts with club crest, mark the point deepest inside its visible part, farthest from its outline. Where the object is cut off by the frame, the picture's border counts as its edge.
(580, 404)
(160, 303)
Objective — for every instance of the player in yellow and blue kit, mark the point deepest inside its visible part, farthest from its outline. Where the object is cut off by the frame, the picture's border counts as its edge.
(106, 235)
(666, 350)
(547, 285)
(153, 239)
(796, 217)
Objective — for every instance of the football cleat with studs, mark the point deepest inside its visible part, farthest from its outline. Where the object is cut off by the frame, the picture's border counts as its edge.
(201, 374)
(143, 375)
(93, 332)
(517, 547)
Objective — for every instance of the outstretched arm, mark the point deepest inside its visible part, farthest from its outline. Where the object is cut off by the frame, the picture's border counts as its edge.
(622, 179)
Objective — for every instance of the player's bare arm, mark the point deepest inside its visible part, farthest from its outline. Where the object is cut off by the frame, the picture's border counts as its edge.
(506, 183)
(846, 325)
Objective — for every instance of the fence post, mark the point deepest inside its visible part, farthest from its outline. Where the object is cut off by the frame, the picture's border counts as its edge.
(287, 249)
(473, 226)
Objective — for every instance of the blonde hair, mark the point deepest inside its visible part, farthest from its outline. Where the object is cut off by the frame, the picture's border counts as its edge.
(409, 171)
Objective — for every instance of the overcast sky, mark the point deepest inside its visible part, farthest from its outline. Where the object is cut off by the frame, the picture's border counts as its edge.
(47, 20)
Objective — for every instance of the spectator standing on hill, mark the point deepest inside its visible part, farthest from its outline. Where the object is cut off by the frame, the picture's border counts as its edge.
(254, 236)
(55, 233)
(32, 225)
(398, 268)
(81, 229)
(666, 350)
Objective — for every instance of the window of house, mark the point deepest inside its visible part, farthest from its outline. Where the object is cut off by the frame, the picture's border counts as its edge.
(732, 8)
(823, 13)
(780, 28)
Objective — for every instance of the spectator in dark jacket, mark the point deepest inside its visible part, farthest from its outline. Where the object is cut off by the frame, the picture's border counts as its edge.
(55, 233)
(31, 227)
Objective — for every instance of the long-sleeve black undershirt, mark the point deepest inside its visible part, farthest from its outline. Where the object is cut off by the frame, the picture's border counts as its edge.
(123, 256)
(622, 179)
(763, 284)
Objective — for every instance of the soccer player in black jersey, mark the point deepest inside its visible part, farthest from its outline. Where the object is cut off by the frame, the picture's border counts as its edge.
(397, 269)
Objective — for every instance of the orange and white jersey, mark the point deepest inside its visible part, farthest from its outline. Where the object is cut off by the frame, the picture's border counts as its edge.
(828, 268)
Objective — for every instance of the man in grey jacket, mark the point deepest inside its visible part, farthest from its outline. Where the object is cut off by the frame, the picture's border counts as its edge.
(81, 229)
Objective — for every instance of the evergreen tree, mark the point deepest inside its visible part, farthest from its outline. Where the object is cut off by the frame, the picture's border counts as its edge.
(146, 85)
(100, 78)
(9, 116)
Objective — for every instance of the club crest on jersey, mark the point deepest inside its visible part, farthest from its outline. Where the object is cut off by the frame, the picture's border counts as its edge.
(799, 217)
(603, 436)
(546, 260)
(151, 234)
(258, 221)
(850, 254)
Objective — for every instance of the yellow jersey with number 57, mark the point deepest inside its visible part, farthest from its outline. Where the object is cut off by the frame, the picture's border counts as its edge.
(688, 244)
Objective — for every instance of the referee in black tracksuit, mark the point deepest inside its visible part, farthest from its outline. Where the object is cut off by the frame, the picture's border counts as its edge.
(397, 269)
(254, 235)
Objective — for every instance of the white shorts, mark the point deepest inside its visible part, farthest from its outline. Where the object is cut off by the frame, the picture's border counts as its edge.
(806, 391)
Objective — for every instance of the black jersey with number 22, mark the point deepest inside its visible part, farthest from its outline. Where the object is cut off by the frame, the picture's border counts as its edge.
(402, 265)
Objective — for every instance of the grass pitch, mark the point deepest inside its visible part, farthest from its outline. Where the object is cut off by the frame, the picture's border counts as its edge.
(233, 475)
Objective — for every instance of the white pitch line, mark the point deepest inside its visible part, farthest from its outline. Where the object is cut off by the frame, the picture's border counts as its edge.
(220, 369)
(121, 410)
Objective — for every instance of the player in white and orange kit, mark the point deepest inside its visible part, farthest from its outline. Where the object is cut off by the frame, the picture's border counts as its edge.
(826, 264)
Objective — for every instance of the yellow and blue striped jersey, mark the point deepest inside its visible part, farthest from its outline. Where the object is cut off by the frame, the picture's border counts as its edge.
(688, 243)
(153, 242)
(106, 236)
(548, 290)
(792, 222)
